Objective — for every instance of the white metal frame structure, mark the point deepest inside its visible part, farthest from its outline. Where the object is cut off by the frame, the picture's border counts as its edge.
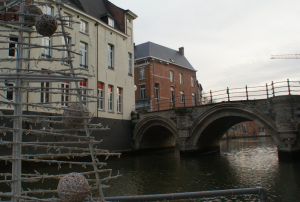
(28, 80)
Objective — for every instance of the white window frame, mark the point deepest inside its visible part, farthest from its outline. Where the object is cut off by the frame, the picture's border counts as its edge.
(13, 45)
(172, 93)
(84, 26)
(192, 81)
(101, 96)
(141, 73)
(84, 55)
(45, 94)
(156, 90)
(171, 75)
(65, 53)
(46, 52)
(110, 56)
(84, 92)
(67, 17)
(181, 78)
(193, 99)
(119, 100)
(64, 93)
(130, 64)
(48, 10)
(142, 91)
(110, 103)
(182, 96)
(111, 22)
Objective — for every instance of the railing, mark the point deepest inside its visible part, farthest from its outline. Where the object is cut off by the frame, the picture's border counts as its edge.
(225, 95)
(192, 195)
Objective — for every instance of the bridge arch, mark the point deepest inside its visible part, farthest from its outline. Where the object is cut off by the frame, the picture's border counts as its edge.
(155, 131)
(209, 127)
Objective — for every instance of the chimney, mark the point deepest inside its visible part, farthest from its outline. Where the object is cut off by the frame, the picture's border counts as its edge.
(181, 50)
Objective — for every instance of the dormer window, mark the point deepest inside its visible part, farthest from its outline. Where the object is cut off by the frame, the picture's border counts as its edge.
(111, 22)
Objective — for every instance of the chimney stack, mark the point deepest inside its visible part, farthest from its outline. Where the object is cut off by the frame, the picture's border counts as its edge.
(181, 50)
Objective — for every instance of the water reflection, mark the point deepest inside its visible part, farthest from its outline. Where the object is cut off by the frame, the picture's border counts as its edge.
(248, 162)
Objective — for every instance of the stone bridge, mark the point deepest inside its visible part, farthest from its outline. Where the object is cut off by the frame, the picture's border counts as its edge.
(201, 127)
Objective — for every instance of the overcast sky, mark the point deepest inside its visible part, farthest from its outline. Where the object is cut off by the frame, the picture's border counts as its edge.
(229, 42)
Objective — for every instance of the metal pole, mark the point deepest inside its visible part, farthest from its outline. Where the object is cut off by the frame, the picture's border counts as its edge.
(17, 134)
(267, 90)
(210, 97)
(288, 82)
(247, 92)
(273, 89)
(228, 94)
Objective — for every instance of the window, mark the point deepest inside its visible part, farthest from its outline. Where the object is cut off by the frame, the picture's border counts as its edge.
(45, 95)
(110, 56)
(65, 93)
(192, 81)
(83, 26)
(261, 129)
(156, 89)
(193, 99)
(181, 96)
(48, 10)
(82, 85)
(180, 78)
(171, 76)
(110, 98)
(130, 64)
(100, 96)
(65, 53)
(83, 57)
(142, 73)
(12, 51)
(111, 22)
(119, 100)
(46, 52)
(172, 94)
(142, 91)
(10, 91)
(67, 17)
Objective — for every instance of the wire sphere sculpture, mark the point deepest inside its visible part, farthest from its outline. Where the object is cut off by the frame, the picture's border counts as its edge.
(73, 187)
(32, 9)
(46, 25)
(74, 117)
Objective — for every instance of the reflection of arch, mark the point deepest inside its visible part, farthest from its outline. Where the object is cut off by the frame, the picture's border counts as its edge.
(153, 121)
(210, 126)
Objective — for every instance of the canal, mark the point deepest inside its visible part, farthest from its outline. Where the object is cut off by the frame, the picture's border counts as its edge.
(240, 163)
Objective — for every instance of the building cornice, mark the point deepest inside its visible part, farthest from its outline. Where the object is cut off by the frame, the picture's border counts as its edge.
(161, 60)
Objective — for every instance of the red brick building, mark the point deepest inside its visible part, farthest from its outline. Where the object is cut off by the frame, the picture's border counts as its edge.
(246, 129)
(164, 78)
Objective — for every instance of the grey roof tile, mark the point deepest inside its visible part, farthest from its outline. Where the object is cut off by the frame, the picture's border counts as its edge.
(155, 50)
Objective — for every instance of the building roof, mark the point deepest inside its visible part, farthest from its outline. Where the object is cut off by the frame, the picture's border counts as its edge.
(150, 49)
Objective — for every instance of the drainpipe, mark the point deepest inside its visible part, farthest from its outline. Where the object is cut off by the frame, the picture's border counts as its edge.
(97, 68)
(154, 83)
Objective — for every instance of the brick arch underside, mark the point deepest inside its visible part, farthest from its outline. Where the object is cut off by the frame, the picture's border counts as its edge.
(155, 132)
(208, 129)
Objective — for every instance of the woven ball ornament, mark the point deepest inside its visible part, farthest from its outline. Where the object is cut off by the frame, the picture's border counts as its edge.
(32, 10)
(46, 25)
(74, 110)
(73, 187)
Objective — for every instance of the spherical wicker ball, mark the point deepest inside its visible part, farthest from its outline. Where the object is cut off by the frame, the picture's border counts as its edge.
(32, 9)
(73, 187)
(46, 25)
(74, 110)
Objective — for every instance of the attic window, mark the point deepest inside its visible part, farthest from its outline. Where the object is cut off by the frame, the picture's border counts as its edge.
(172, 60)
(111, 22)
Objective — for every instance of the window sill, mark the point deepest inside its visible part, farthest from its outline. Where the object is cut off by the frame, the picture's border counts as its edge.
(129, 74)
(121, 113)
(141, 79)
(101, 110)
(112, 68)
(68, 27)
(84, 33)
(112, 112)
